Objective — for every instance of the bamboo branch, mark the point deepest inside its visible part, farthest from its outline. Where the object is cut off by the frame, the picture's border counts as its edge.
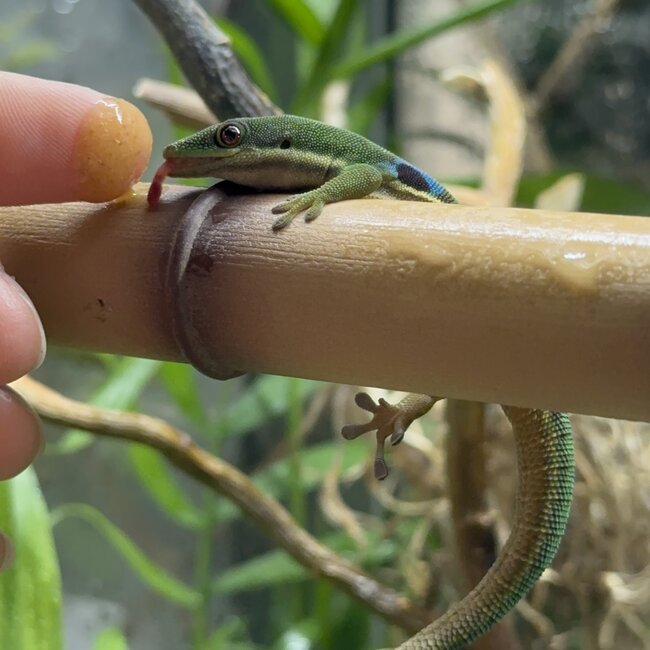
(523, 307)
(474, 531)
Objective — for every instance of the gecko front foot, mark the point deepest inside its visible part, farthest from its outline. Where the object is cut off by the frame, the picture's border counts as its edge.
(387, 419)
(294, 205)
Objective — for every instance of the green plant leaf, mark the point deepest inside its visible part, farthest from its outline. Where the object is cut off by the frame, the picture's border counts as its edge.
(277, 569)
(329, 51)
(174, 72)
(315, 461)
(109, 361)
(301, 18)
(151, 574)
(600, 195)
(265, 398)
(365, 110)
(36, 51)
(250, 55)
(230, 635)
(179, 379)
(156, 478)
(111, 638)
(274, 568)
(395, 44)
(30, 591)
(120, 390)
(14, 29)
(350, 624)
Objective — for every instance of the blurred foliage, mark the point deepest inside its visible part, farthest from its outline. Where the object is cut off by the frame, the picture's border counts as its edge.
(30, 590)
(153, 575)
(331, 44)
(110, 639)
(600, 194)
(17, 50)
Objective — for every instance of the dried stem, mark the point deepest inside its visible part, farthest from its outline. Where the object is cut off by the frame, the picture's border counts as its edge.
(266, 512)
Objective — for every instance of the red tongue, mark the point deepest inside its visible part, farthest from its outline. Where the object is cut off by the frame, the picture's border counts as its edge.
(155, 189)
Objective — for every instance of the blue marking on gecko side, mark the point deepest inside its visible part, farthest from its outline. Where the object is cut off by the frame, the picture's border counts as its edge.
(419, 180)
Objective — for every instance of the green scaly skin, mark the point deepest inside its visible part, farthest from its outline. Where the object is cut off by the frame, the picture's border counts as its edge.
(289, 153)
(546, 463)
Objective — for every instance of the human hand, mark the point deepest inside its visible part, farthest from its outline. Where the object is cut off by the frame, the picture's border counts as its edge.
(60, 142)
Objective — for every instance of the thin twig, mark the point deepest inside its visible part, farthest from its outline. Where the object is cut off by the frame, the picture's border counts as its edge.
(571, 53)
(206, 57)
(266, 512)
(183, 106)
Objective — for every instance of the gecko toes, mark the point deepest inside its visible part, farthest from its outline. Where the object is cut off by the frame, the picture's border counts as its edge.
(365, 402)
(380, 469)
(280, 208)
(387, 420)
(314, 211)
(289, 210)
(352, 431)
(294, 205)
(398, 435)
(281, 223)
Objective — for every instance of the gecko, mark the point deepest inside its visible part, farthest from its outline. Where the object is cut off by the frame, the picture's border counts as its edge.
(325, 164)
(289, 153)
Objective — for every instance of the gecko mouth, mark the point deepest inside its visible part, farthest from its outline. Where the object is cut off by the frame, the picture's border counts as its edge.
(184, 167)
(191, 167)
(180, 167)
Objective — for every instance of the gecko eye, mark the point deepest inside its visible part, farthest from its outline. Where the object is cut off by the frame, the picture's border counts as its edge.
(228, 136)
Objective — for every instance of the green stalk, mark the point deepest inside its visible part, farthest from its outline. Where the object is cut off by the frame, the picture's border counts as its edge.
(203, 574)
(297, 504)
(399, 42)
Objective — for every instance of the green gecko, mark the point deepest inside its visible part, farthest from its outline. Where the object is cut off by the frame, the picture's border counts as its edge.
(545, 456)
(289, 153)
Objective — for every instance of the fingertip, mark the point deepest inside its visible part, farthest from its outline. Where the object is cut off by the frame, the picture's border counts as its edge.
(111, 150)
(22, 339)
(20, 434)
(63, 142)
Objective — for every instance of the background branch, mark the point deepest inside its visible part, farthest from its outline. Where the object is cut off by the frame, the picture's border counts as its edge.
(204, 54)
(178, 447)
(572, 52)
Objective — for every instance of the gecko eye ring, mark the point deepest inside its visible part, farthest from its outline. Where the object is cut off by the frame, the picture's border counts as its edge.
(228, 135)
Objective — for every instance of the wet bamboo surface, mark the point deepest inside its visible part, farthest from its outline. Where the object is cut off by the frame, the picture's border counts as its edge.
(524, 307)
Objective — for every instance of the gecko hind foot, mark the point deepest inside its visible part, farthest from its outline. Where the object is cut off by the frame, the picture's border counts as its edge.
(389, 422)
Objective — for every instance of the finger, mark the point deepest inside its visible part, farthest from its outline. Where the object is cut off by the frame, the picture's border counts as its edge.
(62, 142)
(20, 434)
(22, 341)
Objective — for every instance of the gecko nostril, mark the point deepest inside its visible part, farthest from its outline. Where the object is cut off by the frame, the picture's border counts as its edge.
(285, 144)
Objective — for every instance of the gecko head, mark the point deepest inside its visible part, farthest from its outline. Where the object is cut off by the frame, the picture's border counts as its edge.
(219, 141)
(205, 150)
